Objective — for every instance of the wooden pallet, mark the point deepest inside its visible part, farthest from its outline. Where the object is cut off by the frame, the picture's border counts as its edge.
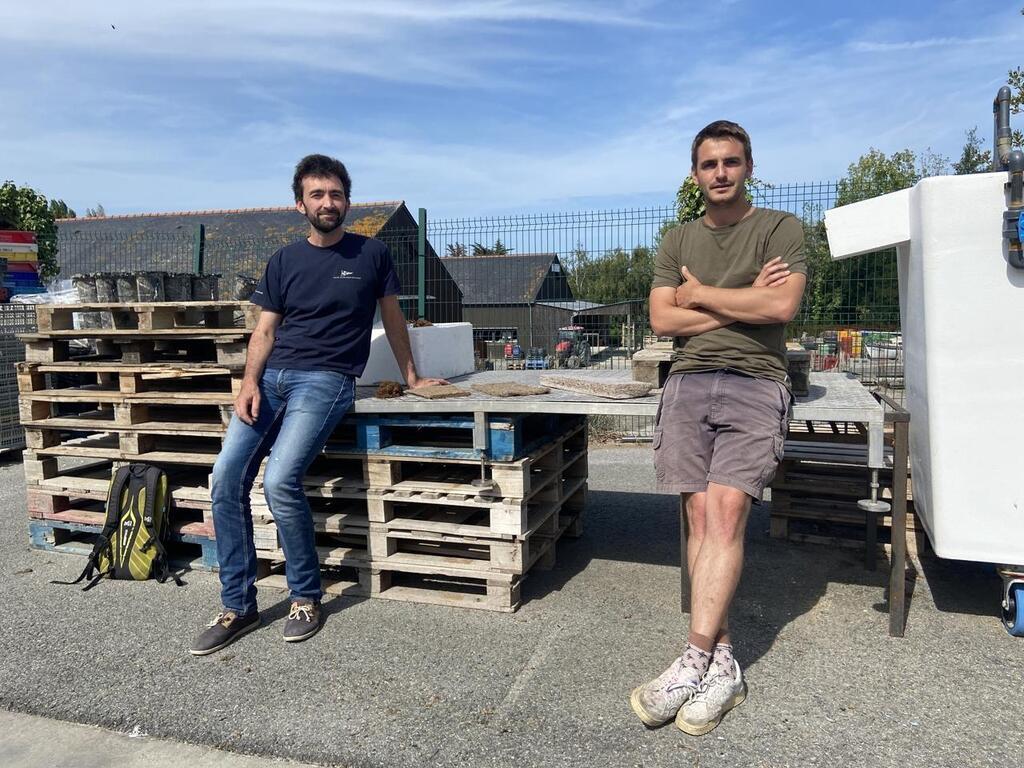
(438, 586)
(188, 485)
(130, 379)
(845, 532)
(225, 346)
(186, 550)
(90, 509)
(150, 316)
(133, 446)
(509, 437)
(524, 478)
(406, 541)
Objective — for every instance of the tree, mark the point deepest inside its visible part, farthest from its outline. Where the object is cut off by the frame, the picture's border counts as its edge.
(972, 158)
(862, 290)
(95, 213)
(618, 275)
(23, 208)
(932, 164)
(60, 210)
(576, 267)
(498, 249)
(1015, 77)
(875, 174)
(455, 250)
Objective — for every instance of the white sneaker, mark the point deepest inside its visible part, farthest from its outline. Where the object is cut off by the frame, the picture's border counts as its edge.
(716, 695)
(658, 701)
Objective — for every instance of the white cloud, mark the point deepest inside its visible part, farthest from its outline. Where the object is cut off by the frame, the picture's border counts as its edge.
(114, 134)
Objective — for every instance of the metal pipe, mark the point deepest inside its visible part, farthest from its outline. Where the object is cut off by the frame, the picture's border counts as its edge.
(1015, 209)
(1001, 138)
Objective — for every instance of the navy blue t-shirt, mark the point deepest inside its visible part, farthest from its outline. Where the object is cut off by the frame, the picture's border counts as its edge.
(327, 297)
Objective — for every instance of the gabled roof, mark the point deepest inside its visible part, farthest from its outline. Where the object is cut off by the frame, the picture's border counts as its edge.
(236, 241)
(513, 278)
(284, 223)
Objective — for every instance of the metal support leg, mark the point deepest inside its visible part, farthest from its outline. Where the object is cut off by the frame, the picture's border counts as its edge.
(898, 564)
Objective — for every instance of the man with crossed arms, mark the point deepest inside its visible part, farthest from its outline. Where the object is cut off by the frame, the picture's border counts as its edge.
(725, 286)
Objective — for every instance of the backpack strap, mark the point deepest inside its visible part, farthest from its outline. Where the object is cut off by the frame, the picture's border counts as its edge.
(154, 478)
(113, 514)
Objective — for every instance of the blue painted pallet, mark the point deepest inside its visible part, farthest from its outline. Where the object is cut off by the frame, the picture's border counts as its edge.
(185, 549)
(509, 436)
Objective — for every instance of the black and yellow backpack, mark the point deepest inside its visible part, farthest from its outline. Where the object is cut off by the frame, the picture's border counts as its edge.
(131, 544)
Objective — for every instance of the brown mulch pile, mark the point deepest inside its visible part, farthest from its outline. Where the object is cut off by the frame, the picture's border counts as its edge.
(388, 389)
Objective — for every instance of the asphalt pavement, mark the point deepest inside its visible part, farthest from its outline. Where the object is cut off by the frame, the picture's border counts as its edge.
(388, 683)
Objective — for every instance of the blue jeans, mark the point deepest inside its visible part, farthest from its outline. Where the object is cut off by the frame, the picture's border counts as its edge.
(298, 411)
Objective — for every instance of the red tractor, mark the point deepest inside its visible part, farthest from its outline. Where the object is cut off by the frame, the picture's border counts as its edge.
(572, 350)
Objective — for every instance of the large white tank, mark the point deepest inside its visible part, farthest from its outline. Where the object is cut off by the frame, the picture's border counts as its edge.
(962, 311)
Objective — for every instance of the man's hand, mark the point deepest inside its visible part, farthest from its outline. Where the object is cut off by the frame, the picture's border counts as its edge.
(773, 274)
(686, 294)
(247, 404)
(415, 382)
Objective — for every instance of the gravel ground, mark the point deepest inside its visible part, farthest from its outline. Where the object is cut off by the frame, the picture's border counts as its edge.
(388, 683)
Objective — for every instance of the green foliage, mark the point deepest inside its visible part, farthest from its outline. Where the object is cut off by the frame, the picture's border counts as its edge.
(455, 250)
(860, 291)
(95, 213)
(498, 249)
(972, 158)
(1015, 77)
(23, 208)
(875, 174)
(618, 275)
(60, 210)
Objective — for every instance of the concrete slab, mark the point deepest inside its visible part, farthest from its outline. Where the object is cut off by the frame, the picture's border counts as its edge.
(39, 742)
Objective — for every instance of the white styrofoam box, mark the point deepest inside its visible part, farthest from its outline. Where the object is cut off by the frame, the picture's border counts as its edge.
(441, 351)
(962, 308)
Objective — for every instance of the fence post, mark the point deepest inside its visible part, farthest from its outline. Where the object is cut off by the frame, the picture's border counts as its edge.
(421, 264)
(198, 249)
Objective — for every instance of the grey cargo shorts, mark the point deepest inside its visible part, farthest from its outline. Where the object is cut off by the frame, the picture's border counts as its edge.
(720, 427)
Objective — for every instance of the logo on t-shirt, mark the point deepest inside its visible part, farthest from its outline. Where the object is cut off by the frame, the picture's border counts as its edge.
(346, 275)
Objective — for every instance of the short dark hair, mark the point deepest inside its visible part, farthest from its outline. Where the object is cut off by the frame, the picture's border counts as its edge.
(320, 166)
(722, 129)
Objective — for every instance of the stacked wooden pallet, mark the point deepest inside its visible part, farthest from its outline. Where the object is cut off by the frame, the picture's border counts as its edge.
(413, 521)
(396, 509)
(156, 385)
(823, 475)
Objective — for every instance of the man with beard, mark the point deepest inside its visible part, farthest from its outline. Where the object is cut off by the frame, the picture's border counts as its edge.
(312, 340)
(725, 286)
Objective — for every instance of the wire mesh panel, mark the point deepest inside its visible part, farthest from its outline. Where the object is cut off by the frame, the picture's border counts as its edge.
(554, 290)
(128, 251)
(14, 319)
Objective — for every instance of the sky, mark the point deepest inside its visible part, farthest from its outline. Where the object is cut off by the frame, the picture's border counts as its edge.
(477, 107)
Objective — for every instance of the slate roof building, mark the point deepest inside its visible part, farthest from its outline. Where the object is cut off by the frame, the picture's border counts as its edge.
(240, 241)
(527, 297)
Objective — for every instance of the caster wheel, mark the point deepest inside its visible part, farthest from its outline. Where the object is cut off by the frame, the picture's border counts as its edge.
(1013, 610)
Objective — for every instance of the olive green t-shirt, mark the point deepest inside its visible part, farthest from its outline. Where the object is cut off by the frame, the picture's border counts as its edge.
(732, 257)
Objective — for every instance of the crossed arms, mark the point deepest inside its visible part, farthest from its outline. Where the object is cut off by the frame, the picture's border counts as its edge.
(694, 308)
